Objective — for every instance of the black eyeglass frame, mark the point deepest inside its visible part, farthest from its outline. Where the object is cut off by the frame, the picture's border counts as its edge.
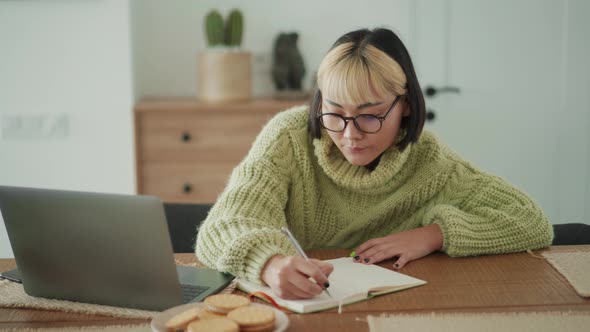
(353, 118)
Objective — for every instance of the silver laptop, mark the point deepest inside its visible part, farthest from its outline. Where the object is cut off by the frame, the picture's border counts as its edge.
(99, 248)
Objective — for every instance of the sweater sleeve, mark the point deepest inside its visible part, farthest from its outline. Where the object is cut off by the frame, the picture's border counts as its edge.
(242, 230)
(482, 214)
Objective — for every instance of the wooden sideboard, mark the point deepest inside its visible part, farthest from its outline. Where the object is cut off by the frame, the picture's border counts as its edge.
(186, 149)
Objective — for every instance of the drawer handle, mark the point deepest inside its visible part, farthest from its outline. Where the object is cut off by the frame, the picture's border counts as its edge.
(187, 188)
(186, 137)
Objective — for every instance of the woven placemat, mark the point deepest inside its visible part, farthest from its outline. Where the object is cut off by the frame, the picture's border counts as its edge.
(522, 322)
(12, 295)
(575, 267)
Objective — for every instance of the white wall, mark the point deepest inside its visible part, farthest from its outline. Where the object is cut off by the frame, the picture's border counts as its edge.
(70, 58)
(574, 162)
(167, 35)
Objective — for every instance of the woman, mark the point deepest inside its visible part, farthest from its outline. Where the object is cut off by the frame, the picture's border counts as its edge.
(354, 170)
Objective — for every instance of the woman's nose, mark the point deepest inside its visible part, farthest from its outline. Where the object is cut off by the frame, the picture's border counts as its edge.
(351, 131)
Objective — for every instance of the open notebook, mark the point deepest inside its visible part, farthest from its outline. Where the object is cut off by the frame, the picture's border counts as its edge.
(350, 282)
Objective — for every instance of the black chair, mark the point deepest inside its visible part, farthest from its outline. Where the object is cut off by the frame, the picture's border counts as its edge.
(571, 234)
(183, 220)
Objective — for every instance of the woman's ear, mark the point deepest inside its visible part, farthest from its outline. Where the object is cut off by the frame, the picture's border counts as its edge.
(405, 109)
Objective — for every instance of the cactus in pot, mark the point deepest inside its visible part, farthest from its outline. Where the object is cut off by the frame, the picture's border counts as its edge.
(224, 69)
(228, 33)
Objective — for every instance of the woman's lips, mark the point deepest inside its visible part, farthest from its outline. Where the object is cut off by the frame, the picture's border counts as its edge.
(355, 149)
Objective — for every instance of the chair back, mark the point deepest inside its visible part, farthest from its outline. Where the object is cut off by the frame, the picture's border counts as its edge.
(183, 222)
(571, 234)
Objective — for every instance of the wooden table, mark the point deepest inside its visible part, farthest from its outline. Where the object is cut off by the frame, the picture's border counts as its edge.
(499, 283)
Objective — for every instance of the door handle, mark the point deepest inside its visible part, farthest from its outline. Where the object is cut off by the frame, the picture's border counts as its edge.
(430, 115)
(431, 91)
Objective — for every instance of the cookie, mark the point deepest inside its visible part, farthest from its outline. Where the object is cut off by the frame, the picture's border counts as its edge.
(206, 314)
(224, 303)
(253, 319)
(181, 320)
(262, 328)
(216, 324)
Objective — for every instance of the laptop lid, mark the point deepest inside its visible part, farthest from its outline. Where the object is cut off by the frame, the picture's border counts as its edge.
(91, 247)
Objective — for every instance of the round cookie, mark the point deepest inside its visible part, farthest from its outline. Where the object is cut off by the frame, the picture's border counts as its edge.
(206, 314)
(262, 328)
(253, 319)
(224, 303)
(181, 320)
(216, 324)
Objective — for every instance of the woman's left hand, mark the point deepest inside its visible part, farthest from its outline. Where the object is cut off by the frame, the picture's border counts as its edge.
(407, 246)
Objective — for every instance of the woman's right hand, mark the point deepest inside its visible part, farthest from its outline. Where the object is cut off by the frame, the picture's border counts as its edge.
(288, 276)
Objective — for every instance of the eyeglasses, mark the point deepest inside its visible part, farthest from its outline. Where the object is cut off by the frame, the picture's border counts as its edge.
(366, 123)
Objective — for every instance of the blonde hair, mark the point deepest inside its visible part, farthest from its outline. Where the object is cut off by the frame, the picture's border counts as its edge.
(352, 75)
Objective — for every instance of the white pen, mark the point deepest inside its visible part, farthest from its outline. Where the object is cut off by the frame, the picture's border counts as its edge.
(291, 238)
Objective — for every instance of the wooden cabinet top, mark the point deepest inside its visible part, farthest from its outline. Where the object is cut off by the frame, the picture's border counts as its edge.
(188, 104)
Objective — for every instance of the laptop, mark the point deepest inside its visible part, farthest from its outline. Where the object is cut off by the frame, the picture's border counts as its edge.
(99, 248)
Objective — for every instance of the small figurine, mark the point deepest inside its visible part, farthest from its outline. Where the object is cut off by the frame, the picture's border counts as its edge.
(288, 67)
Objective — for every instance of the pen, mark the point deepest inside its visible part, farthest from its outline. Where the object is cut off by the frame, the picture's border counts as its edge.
(291, 238)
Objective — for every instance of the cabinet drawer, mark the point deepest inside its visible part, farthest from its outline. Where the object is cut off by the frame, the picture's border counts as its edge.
(185, 182)
(185, 149)
(202, 137)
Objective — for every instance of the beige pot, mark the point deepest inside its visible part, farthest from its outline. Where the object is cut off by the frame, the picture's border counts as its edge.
(224, 75)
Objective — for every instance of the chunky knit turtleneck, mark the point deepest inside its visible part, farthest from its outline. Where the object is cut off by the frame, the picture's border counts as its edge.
(287, 179)
(358, 178)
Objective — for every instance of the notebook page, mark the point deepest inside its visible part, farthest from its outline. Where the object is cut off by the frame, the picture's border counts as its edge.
(357, 277)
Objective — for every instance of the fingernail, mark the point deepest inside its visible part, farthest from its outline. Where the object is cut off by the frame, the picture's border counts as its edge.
(326, 284)
(366, 260)
(356, 258)
(396, 265)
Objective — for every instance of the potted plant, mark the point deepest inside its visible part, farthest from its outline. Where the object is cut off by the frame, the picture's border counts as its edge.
(224, 69)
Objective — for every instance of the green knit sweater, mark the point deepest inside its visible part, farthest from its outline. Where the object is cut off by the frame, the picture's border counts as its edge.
(288, 179)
